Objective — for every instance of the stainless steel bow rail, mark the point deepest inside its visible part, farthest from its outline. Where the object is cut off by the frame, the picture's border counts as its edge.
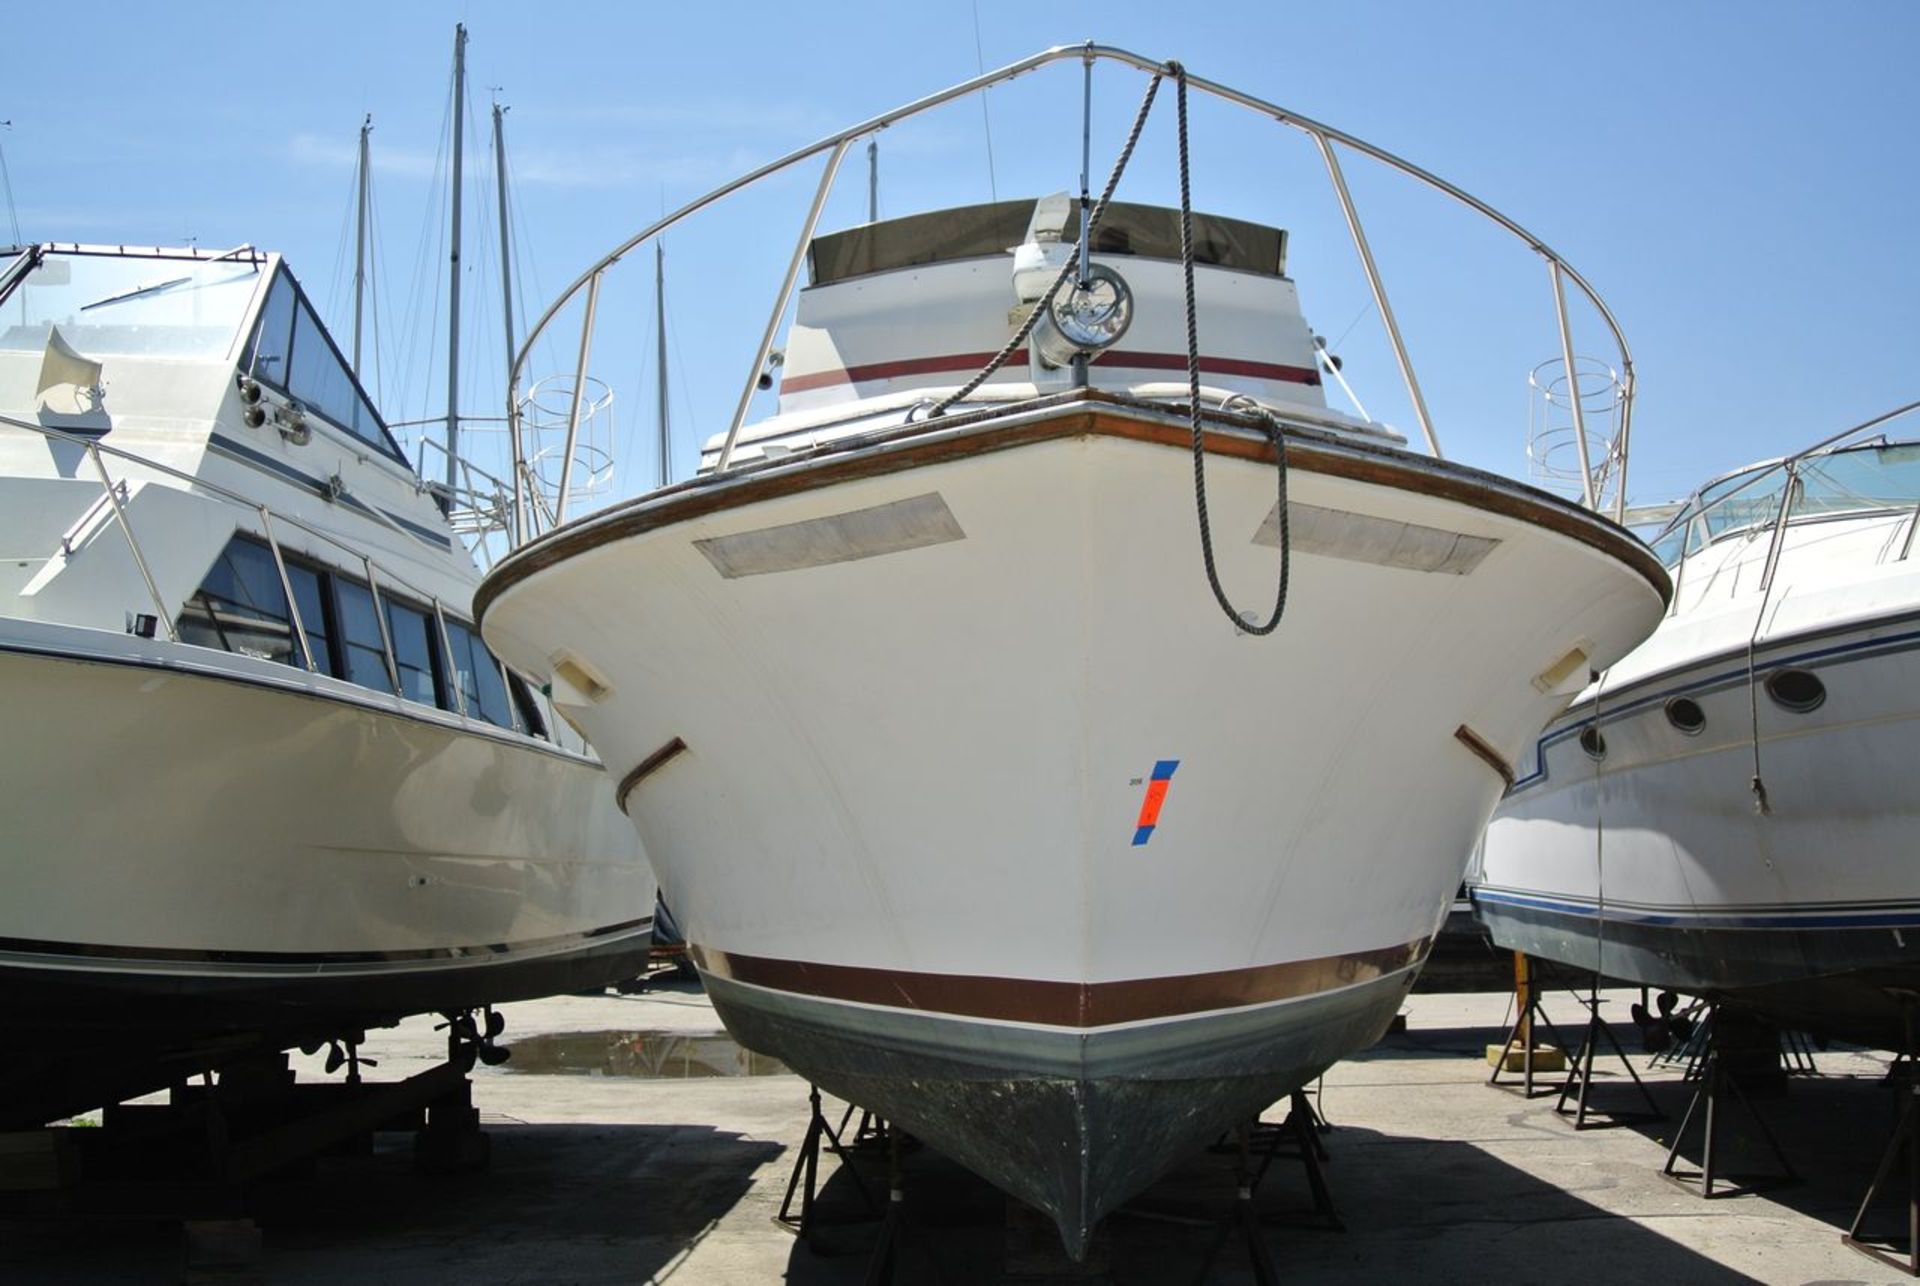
(1611, 471)
(114, 497)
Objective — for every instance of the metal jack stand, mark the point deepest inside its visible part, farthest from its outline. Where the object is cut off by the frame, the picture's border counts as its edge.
(882, 1269)
(1580, 1071)
(1715, 1080)
(1903, 1137)
(1245, 1218)
(806, 1168)
(1520, 1035)
(1297, 1138)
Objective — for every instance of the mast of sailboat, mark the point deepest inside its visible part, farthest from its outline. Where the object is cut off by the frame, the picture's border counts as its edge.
(360, 245)
(453, 294)
(660, 309)
(506, 243)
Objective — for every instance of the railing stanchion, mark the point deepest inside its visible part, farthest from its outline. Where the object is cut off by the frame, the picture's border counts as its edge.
(133, 543)
(386, 632)
(286, 587)
(780, 303)
(1587, 489)
(1379, 289)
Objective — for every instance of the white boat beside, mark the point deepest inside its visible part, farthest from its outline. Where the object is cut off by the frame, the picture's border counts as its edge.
(1726, 813)
(263, 784)
(975, 806)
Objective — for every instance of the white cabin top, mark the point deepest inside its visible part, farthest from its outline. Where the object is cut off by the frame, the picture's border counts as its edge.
(922, 302)
(906, 309)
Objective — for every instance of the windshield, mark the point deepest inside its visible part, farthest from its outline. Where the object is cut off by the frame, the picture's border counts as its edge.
(1874, 476)
(132, 305)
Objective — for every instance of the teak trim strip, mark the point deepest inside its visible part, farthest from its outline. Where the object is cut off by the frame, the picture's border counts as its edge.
(1063, 1004)
(716, 493)
(646, 768)
(1484, 751)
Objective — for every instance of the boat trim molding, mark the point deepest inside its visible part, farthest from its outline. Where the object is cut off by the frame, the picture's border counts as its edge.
(1074, 415)
(646, 768)
(1047, 1002)
(50, 954)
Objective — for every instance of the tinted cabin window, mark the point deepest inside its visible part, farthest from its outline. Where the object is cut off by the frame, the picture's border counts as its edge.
(479, 677)
(273, 338)
(361, 648)
(292, 351)
(526, 711)
(309, 591)
(240, 606)
(414, 652)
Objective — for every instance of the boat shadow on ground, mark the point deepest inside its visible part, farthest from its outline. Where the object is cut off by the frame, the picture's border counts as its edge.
(589, 1202)
(1832, 1128)
(1414, 1210)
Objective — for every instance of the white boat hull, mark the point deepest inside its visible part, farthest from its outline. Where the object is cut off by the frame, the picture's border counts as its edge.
(199, 843)
(909, 835)
(1808, 912)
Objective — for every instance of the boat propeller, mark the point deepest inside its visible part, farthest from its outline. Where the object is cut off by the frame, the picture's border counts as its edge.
(468, 1039)
(1663, 1030)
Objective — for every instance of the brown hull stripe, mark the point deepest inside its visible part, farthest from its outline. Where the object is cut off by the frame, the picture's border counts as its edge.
(1484, 751)
(1091, 415)
(644, 769)
(1062, 1004)
(954, 363)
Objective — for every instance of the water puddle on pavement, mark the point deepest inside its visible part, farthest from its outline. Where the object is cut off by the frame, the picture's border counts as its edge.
(647, 1055)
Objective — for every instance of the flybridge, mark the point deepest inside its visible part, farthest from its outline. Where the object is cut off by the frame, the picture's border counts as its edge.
(978, 231)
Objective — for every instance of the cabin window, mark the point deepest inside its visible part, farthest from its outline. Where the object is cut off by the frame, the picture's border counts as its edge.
(309, 592)
(362, 650)
(479, 676)
(240, 607)
(526, 710)
(415, 653)
(1797, 690)
(293, 352)
(1685, 714)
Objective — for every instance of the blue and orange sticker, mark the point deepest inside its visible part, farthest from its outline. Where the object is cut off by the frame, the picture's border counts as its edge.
(1156, 796)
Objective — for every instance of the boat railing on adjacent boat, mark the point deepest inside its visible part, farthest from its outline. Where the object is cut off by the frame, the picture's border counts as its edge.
(1601, 471)
(1855, 472)
(381, 580)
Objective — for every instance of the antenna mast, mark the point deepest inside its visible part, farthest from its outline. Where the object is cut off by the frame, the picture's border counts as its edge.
(453, 293)
(660, 309)
(360, 246)
(506, 243)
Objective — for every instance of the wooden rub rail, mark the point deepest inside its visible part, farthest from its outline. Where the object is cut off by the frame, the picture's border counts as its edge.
(646, 768)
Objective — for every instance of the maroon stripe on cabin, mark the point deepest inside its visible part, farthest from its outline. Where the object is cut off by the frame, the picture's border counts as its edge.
(974, 361)
(1062, 1004)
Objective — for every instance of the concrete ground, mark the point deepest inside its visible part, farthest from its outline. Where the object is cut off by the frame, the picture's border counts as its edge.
(600, 1175)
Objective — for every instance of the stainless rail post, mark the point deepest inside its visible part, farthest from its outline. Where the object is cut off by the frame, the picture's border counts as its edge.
(573, 410)
(1573, 385)
(386, 633)
(1379, 289)
(133, 544)
(453, 667)
(286, 587)
(780, 303)
(1780, 526)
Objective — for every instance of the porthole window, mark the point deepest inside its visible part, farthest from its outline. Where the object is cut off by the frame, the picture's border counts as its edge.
(1685, 714)
(1593, 743)
(1796, 690)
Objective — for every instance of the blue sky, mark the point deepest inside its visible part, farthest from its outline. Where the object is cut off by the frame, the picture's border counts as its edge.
(1738, 180)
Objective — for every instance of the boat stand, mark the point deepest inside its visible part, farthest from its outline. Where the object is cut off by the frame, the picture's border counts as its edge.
(1715, 1081)
(1297, 1138)
(1903, 1137)
(806, 1169)
(199, 1158)
(1580, 1072)
(883, 1269)
(1520, 1037)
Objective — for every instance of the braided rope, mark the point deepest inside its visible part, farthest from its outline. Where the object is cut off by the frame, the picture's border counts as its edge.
(1020, 336)
(1267, 420)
